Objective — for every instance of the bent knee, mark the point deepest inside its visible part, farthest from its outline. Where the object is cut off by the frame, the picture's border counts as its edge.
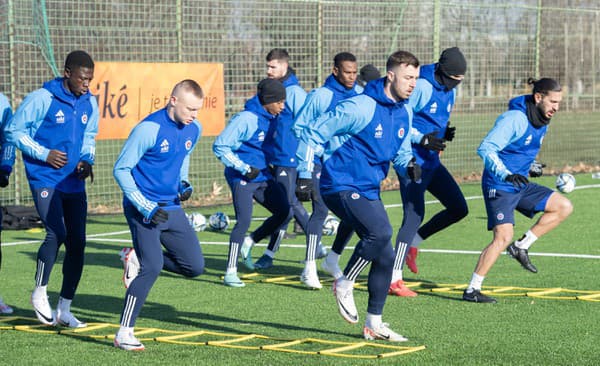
(566, 207)
(459, 213)
(194, 271)
(560, 204)
(383, 235)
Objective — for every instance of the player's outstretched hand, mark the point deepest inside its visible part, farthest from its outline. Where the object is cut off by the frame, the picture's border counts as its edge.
(450, 132)
(57, 159)
(517, 180)
(304, 188)
(160, 216)
(536, 169)
(84, 170)
(432, 142)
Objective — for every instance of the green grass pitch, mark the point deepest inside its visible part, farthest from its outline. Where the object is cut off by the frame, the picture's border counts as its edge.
(518, 330)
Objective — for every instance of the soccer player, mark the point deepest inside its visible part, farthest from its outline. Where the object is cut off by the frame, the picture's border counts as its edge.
(508, 151)
(55, 127)
(357, 140)
(152, 172)
(341, 84)
(7, 156)
(239, 147)
(432, 101)
(280, 151)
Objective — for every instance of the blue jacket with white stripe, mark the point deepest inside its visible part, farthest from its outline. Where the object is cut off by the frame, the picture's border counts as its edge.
(432, 104)
(281, 142)
(154, 161)
(53, 118)
(511, 146)
(240, 144)
(7, 152)
(357, 141)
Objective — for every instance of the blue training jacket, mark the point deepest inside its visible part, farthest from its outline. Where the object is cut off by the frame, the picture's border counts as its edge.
(510, 147)
(53, 118)
(154, 161)
(432, 104)
(281, 142)
(240, 145)
(7, 152)
(321, 100)
(357, 140)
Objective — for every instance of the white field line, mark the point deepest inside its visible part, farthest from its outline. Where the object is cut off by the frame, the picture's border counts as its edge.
(99, 238)
(102, 237)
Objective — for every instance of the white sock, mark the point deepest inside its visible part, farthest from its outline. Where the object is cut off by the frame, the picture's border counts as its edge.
(332, 257)
(373, 320)
(476, 282)
(231, 270)
(396, 275)
(344, 284)
(416, 241)
(526, 240)
(125, 330)
(310, 267)
(40, 291)
(269, 253)
(64, 305)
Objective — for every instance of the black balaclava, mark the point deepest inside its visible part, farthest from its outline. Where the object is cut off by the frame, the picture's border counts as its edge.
(534, 114)
(452, 62)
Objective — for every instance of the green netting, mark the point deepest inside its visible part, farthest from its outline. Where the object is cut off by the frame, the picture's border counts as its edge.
(505, 42)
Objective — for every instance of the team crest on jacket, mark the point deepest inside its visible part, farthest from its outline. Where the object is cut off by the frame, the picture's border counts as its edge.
(355, 196)
(401, 132)
(44, 193)
(84, 118)
(188, 144)
(164, 146)
(60, 116)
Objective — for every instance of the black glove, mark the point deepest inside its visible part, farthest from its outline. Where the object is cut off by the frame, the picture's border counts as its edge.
(159, 216)
(517, 180)
(185, 191)
(304, 188)
(84, 170)
(252, 173)
(536, 169)
(431, 142)
(413, 170)
(450, 132)
(4, 179)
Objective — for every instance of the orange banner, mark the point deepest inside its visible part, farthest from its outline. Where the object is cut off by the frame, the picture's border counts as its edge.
(127, 92)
